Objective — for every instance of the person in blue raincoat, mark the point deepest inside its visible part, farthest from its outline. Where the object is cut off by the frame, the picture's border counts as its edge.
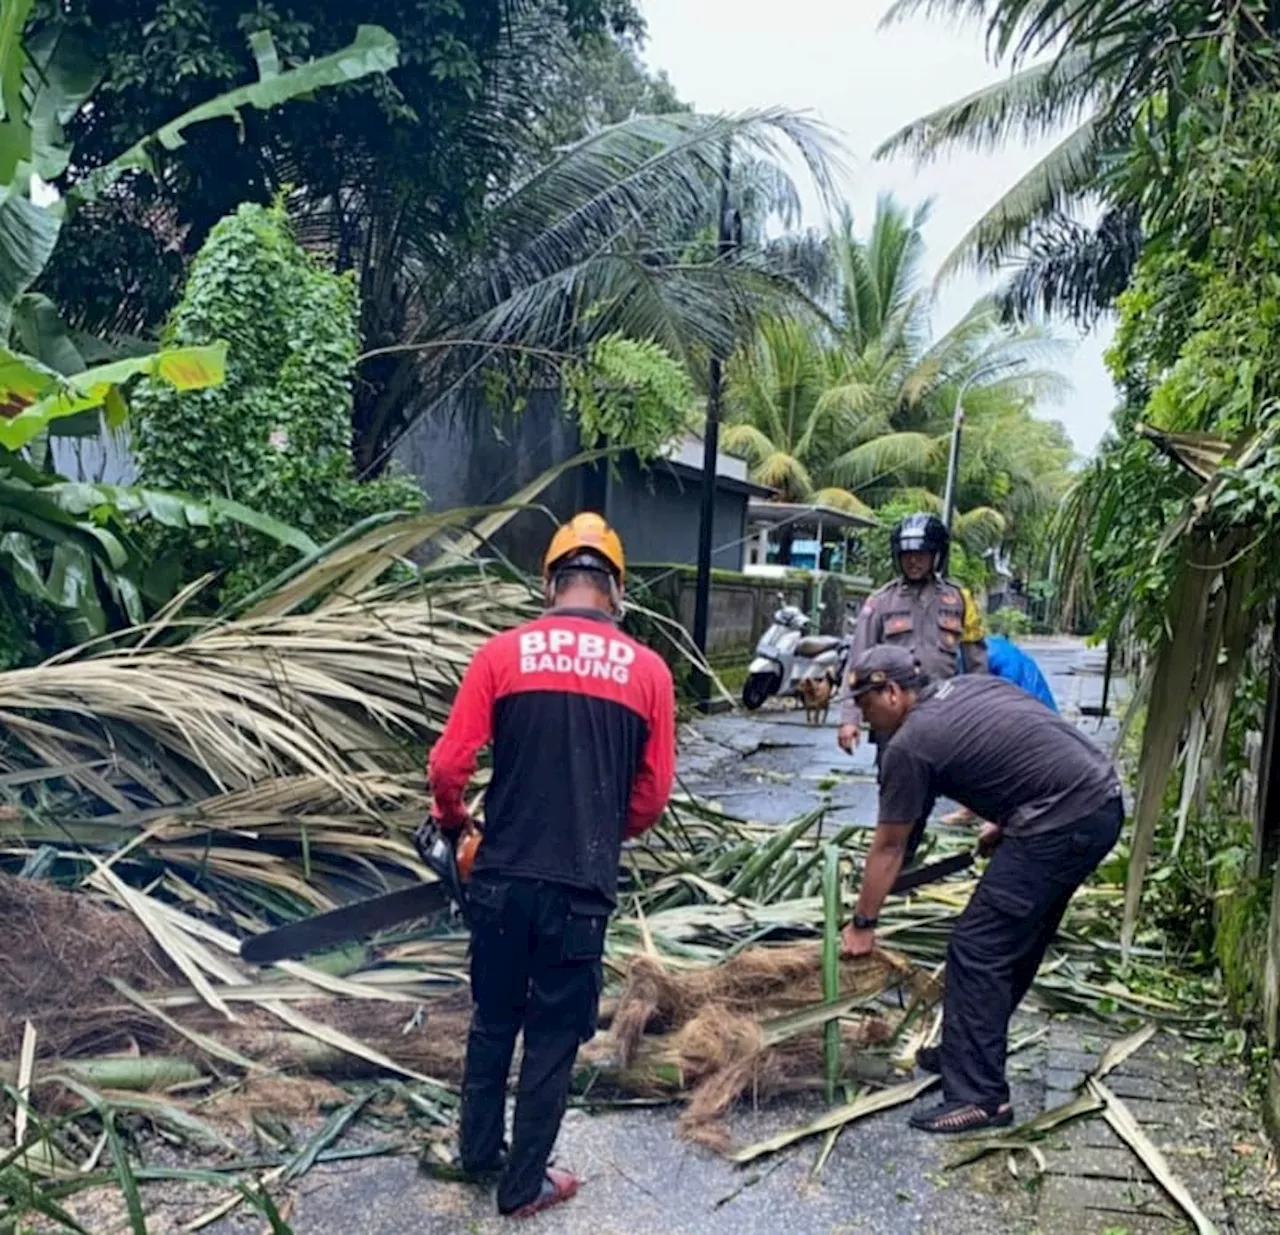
(1005, 659)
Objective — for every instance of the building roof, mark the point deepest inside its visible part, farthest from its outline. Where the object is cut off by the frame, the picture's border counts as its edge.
(803, 515)
(685, 457)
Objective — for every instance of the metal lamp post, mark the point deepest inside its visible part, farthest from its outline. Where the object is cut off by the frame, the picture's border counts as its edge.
(953, 463)
(953, 460)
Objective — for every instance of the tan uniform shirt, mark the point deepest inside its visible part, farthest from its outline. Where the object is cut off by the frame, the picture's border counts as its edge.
(936, 620)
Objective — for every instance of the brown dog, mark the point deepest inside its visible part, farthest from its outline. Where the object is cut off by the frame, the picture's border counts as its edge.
(816, 693)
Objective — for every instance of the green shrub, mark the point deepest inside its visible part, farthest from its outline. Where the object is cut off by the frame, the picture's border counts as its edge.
(277, 434)
(1010, 622)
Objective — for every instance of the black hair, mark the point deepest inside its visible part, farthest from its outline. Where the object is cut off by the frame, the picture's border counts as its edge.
(581, 576)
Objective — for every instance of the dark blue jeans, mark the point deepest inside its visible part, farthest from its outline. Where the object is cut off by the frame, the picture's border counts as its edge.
(1000, 940)
(536, 949)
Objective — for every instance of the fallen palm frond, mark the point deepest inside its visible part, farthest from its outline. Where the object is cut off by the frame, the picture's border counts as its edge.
(1121, 1119)
(859, 1108)
(324, 694)
(202, 783)
(722, 993)
(265, 761)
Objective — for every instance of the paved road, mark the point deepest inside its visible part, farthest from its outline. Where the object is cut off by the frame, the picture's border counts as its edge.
(882, 1179)
(773, 766)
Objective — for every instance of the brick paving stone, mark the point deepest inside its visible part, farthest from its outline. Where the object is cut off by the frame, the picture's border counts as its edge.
(1071, 1036)
(1063, 1082)
(1090, 1162)
(1125, 1084)
(1174, 1116)
(1063, 1196)
(1093, 1133)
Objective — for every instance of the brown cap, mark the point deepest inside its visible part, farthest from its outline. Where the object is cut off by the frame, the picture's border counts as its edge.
(882, 664)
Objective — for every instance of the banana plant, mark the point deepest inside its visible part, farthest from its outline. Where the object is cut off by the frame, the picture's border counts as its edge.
(44, 82)
(73, 546)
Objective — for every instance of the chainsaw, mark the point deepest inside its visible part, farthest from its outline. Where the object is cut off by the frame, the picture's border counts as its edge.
(449, 860)
(452, 867)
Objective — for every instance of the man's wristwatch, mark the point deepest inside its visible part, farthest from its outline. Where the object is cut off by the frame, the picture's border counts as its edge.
(864, 924)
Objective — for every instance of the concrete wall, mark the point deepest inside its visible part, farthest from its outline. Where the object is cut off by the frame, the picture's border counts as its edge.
(743, 606)
(464, 456)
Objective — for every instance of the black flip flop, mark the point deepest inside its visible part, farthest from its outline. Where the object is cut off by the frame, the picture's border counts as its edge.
(957, 1118)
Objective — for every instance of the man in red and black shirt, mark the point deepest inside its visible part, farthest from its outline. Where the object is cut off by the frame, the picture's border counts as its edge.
(581, 719)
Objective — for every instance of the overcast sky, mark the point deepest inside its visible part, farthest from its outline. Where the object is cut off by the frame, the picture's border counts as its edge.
(829, 57)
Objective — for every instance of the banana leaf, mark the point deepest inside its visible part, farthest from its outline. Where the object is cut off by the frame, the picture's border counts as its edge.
(33, 396)
(372, 51)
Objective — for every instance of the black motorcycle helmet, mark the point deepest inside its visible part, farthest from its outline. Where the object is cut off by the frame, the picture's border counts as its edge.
(921, 533)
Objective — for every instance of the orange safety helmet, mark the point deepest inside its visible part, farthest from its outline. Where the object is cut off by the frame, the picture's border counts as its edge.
(589, 532)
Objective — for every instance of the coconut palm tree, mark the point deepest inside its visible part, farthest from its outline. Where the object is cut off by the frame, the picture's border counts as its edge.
(899, 387)
(601, 239)
(1098, 76)
(857, 411)
(779, 418)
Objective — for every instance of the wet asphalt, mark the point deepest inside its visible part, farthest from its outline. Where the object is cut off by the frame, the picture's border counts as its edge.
(773, 766)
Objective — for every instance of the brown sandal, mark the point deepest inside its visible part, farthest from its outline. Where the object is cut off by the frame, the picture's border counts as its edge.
(952, 1118)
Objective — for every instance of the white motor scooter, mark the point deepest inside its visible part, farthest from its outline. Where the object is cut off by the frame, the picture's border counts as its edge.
(785, 656)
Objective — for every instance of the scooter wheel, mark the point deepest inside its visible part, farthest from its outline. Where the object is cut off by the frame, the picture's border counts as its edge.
(757, 688)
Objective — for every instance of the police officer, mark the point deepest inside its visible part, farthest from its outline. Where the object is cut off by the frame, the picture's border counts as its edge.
(1054, 801)
(582, 723)
(932, 617)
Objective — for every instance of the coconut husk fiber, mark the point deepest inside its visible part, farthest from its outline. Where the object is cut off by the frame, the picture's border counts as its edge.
(761, 981)
(711, 1026)
(57, 949)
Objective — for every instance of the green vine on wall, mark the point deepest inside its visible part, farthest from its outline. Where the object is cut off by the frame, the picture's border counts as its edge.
(277, 434)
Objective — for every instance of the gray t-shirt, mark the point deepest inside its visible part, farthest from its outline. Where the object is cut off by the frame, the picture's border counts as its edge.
(997, 750)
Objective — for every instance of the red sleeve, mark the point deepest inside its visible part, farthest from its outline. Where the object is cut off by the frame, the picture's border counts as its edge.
(453, 758)
(652, 785)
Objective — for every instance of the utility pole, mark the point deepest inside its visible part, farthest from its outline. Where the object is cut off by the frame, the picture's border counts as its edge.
(953, 463)
(726, 235)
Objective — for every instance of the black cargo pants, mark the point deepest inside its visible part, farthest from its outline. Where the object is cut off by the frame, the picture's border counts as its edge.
(536, 949)
(1000, 940)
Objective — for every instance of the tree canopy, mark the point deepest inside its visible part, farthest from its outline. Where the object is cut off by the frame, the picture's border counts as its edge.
(423, 148)
(855, 410)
